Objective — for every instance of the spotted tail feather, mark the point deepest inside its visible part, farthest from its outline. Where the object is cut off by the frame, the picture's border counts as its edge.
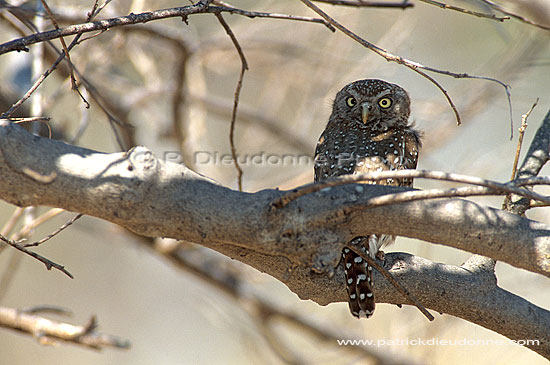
(358, 282)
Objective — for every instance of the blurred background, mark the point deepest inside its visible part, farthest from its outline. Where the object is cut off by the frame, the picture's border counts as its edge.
(169, 86)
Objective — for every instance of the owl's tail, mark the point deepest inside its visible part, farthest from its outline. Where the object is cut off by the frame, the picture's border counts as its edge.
(359, 279)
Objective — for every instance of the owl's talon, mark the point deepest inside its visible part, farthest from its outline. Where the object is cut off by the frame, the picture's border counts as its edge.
(381, 256)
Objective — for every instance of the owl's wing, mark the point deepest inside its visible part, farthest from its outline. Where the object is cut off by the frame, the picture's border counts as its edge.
(322, 159)
(413, 143)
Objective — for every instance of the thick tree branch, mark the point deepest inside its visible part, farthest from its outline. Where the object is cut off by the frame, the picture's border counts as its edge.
(157, 198)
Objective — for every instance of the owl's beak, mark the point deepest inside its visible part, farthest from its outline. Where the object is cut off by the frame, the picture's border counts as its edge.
(365, 111)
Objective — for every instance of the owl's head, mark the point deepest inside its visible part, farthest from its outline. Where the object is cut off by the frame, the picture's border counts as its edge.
(372, 104)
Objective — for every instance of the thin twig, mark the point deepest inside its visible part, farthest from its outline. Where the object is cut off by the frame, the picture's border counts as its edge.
(54, 233)
(54, 309)
(20, 44)
(403, 61)
(30, 119)
(8, 226)
(178, 99)
(368, 4)
(49, 264)
(37, 101)
(465, 11)
(106, 106)
(520, 139)
(44, 120)
(393, 281)
(536, 157)
(513, 15)
(535, 180)
(415, 195)
(244, 67)
(225, 7)
(24, 232)
(494, 188)
(84, 119)
(66, 51)
(46, 73)
(522, 129)
(447, 96)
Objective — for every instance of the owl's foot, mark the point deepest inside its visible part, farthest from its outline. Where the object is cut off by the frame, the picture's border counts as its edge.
(325, 261)
(380, 255)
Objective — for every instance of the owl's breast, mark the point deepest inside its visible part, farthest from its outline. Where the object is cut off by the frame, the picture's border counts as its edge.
(342, 154)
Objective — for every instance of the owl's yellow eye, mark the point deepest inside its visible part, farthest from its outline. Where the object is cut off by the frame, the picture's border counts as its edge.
(385, 103)
(351, 101)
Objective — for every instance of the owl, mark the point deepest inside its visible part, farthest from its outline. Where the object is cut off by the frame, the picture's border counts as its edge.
(367, 131)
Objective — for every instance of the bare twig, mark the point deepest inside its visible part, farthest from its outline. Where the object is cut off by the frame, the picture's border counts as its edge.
(535, 180)
(23, 232)
(106, 107)
(44, 120)
(465, 11)
(49, 332)
(84, 119)
(415, 66)
(244, 67)
(178, 98)
(225, 7)
(513, 15)
(492, 187)
(449, 100)
(49, 264)
(31, 119)
(520, 138)
(43, 77)
(537, 156)
(8, 226)
(368, 4)
(54, 309)
(62, 40)
(392, 280)
(66, 51)
(416, 195)
(104, 103)
(522, 129)
(54, 233)
(20, 44)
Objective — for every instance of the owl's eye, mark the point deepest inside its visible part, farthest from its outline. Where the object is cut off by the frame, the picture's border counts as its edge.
(385, 103)
(351, 101)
